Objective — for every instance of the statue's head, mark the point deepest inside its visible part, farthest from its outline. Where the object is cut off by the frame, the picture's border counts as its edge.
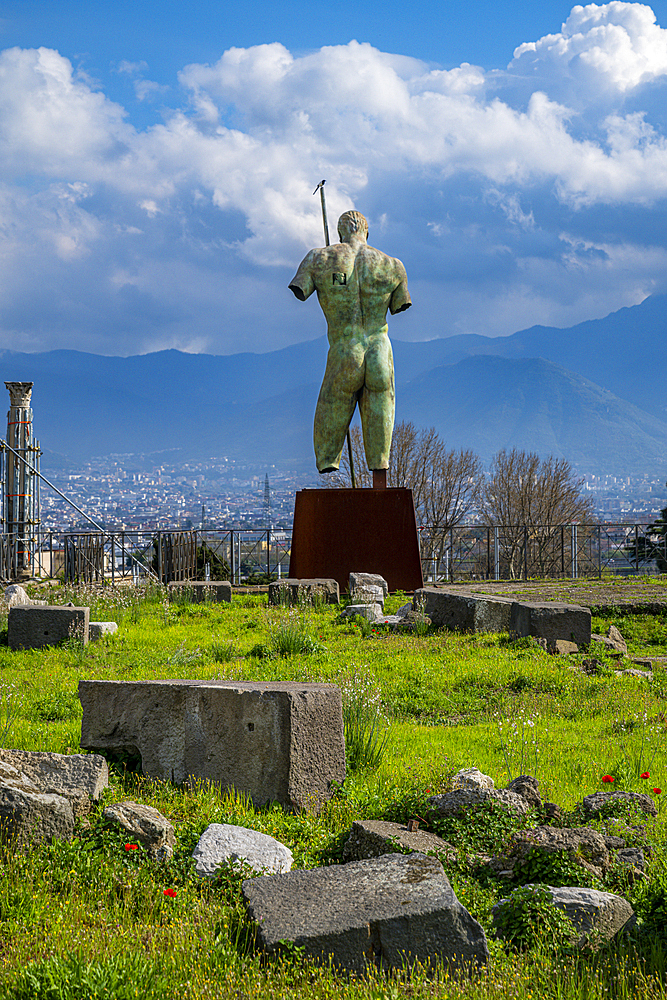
(352, 222)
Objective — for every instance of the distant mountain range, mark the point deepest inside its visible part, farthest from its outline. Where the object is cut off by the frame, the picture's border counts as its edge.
(593, 393)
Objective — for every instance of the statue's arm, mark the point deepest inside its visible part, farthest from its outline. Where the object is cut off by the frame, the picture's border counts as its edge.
(400, 297)
(302, 284)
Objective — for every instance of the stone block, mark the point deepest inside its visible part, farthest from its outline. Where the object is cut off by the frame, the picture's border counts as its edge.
(631, 857)
(146, 825)
(32, 627)
(15, 594)
(98, 629)
(563, 647)
(394, 621)
(590, 912)
(292, 592)
(528, 788)
(371, 838)
(197, 591)
(613, 641)
(33, 818)
(80, 778)
(472, 777)
(583, 846)
(388, 913)
(276, 741)
(373, 612)
(600, 802)
(42, 794)
(552, 621)
(223, 842)
(369, 595)
(467, 612)
(362, 581)
(651, 662)
(461, 800)
(593, 912)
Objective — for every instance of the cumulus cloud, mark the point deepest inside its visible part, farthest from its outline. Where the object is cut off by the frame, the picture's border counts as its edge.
(609, 48)
(184, 233)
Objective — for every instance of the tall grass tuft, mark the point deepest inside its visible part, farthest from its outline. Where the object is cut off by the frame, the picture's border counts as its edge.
(290, 637)
(10, 705)
(366, 726)
(126, 976)
(222, 652)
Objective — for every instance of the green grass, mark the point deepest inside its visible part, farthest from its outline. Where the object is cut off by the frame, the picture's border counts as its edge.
(87, 919)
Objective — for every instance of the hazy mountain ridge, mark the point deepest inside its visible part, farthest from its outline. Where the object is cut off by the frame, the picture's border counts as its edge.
(541, 389)
(487, 402)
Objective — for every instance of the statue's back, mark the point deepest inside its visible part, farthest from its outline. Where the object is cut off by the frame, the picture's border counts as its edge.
(354, 288)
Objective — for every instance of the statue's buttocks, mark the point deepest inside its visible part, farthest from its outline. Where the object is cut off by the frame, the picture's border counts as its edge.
(356, 285)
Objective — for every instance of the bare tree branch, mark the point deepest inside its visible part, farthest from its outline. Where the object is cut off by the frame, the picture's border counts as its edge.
(531, 499)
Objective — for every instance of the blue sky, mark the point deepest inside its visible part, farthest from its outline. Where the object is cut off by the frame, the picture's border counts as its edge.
(158, 163)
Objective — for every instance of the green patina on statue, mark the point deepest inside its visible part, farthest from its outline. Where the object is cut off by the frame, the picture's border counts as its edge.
(356, 285)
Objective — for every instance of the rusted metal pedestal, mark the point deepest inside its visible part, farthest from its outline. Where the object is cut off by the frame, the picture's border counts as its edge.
(338, 531)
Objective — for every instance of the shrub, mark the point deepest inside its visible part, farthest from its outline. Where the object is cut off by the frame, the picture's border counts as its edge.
(484, 827)
(553, 868)
(529, 919)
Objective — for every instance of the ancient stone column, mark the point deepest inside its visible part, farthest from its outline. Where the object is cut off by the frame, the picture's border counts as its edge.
(21, 485)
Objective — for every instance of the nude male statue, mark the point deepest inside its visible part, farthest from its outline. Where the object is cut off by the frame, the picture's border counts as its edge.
(355, 286)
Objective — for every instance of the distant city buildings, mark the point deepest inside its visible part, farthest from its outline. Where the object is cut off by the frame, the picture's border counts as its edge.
(133, 492)
(627, 498)
(130, 492)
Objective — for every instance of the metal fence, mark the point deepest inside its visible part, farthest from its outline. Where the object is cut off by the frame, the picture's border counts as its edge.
(166, 556)
(522, 552)
(466, 552)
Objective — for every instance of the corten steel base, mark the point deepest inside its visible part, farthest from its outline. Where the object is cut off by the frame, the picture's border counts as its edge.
(337, 532)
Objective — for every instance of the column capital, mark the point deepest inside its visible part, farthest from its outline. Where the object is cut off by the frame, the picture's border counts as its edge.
(19, 393)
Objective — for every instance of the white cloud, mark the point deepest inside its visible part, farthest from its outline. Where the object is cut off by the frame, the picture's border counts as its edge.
(150, 207)
(131, 68)
(147, 89)
(52, 121)
(613, 47)
(470, 175)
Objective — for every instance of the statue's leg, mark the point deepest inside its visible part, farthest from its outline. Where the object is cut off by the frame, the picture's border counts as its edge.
(377, 403)
(343, 378)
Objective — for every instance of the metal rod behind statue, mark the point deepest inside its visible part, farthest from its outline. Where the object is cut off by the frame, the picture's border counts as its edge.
(320, 188)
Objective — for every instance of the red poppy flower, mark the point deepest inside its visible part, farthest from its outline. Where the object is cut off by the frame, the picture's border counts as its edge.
(607, 777)
(657, 790)
(645, 775)
(169, 892)
(131, 847)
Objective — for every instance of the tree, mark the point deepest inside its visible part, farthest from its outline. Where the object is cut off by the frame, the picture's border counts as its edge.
(531, 499)
(651, 544)
(446, 484)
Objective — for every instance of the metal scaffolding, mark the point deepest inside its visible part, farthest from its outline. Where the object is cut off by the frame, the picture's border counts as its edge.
(19, 481)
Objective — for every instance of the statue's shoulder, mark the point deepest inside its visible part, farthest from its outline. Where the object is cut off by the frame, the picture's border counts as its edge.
(323, 258)
(391, 263)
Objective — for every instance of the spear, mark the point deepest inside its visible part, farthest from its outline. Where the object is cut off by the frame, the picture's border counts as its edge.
(320, 188)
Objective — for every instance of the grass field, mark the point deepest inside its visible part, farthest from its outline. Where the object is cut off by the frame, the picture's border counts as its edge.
(90, 920)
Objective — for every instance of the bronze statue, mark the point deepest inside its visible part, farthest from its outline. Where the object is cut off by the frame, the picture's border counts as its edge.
(355, 285)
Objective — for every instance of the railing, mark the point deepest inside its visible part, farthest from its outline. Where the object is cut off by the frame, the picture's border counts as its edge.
(166, 556)
(522, 552)
(466, 552)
